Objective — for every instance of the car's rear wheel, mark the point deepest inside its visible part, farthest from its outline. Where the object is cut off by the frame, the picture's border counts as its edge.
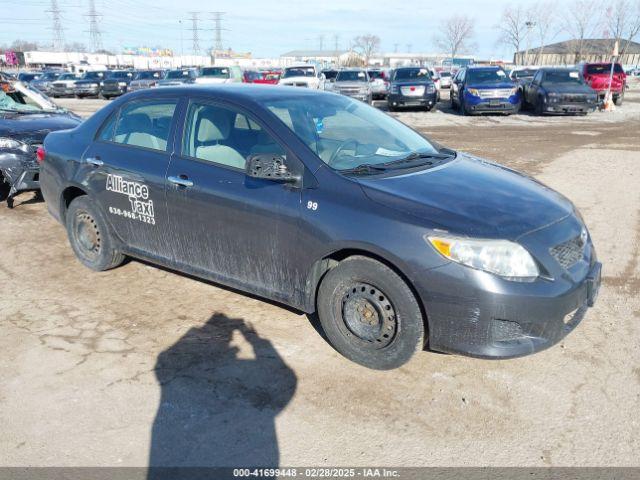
(90, 237)
(537, 108)
(369, 314)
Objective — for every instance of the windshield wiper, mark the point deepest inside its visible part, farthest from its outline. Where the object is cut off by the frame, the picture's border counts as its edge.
(365, 168)
(412, 157)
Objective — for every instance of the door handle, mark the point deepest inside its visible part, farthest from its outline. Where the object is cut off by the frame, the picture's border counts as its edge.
(95, 161)
(181, 181)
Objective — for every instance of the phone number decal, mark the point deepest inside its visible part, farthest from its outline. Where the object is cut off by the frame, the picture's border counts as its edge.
(132, 215)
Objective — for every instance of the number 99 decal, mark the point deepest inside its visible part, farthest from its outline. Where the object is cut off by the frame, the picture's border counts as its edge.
(312, 205)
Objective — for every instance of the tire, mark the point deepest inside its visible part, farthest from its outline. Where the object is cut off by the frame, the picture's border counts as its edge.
(5, 188)
(358, 292)
(391, 108)
(453, 104)
(90, 237)
(462, 108)
(537, 107)
(618, 99)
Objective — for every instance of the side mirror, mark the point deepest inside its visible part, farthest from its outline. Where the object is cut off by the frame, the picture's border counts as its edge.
(270, 167)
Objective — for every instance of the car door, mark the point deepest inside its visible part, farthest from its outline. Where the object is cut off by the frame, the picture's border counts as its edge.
(233, 228)
(532, 92)
(456, 86)
(125, 170)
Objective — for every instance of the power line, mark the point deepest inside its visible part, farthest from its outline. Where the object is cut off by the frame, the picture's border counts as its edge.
(56, 26)
(194, 31)
(217, 20)
(94, 31)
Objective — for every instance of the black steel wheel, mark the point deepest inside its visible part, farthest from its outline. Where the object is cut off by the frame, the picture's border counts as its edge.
(369, 313)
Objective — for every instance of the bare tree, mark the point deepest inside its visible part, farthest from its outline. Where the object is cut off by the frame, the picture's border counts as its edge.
(366, 45)
(582, 22)
(24, 46)
(543, 18)
(75, 47)
(623, 22)
(513, 26)
(455, 34)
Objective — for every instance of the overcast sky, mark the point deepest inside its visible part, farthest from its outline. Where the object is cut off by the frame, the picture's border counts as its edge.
(267, 28)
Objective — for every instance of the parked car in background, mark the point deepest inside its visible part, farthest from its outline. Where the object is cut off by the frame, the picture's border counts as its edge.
(327, 79)
(27, 77)
(26, 117)
(231, 74)
(559, 91)
(597, 76)
(250, 76)
(522, 76)
(182, 76)
(354, 83)
(7, 77)
(45, 82)
(64, 85)
(117, 83)
(484, 90)
(146, 79)
(268, 77)
(445, 79)
(303, 75)
(332, 207)
(379, 83)
(411, 87)
(89, 84)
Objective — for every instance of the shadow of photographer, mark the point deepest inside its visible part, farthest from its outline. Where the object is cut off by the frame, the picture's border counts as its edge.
(217, 407)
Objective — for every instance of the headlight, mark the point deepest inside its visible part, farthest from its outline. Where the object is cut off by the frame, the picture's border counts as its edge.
(553, 97)
(431, 88)
(11, 144)
(501, 257)
(394, 89)
(473, 91)
(122, 84)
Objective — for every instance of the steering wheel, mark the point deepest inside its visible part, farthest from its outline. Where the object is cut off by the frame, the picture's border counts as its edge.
(343, 146)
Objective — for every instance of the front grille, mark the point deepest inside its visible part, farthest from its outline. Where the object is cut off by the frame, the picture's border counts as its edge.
(574, 99)
(495, 93)
(567, 254)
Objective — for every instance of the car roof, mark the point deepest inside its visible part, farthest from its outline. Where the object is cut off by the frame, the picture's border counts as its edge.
(488, 67)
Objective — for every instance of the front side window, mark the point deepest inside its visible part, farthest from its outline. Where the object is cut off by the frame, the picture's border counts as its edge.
(145, 124)
(225, 136)
(345, 133)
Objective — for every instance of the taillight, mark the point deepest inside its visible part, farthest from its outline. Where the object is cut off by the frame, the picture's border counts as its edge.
(40, 154)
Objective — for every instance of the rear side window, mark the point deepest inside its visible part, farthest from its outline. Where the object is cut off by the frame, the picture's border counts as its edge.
(145, 124)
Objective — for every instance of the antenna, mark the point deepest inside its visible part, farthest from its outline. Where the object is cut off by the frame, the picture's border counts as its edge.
(56, 26)
(194, 30)
(94, 30)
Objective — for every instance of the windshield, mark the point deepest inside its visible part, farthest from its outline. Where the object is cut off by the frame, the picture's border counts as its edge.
(351, 76)
(445, 74)
(215, 72)
(374, 74)
(299, 72)
(121, 75)
(485, 76)
(148, 75)
(562, 76)
(177, 74)
(67, 76)
(93, 75)
(523, 73)
(412, 74)
(15, 101)
(345, 133)
(49, 76)
(603, 68)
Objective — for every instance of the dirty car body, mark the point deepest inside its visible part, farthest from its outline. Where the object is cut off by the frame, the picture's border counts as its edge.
(26, 117)
(298, 195)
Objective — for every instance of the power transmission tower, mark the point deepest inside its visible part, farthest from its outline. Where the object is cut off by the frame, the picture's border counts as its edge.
(409, 47)
(217, 20)
(94, 30)
(56, 26)
(336, 42)
(395, 48)
(321, 42)
(194, 31)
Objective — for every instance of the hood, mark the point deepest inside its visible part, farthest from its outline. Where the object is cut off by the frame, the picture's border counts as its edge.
(299, 80)
(490, 85)
(568, 88)
(36, 126)
(362, 85)
(469, 196)
(85, 82)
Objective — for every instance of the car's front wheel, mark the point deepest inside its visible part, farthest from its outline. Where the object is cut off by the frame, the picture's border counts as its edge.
(90, 237)
(618, 99)
(369, 314)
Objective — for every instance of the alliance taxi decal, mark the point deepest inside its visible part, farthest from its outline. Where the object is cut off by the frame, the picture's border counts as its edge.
(138, 193)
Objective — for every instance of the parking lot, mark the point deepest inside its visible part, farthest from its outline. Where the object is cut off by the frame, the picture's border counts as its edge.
(95, 366)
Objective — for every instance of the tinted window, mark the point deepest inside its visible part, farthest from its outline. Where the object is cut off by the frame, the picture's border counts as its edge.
(412, 74)
(94, 75)
(224, 136)
(178, 74)
(216, 72)
(107, 129)
(562, 76)
(351, 76)
(299, 72)
(330, 74)
(145, 124)
(148, 75)
(486, 76)
(375, 74)
(603, 68)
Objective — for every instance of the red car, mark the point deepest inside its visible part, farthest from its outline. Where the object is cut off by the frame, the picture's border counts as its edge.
(597, 77)
(268, 77)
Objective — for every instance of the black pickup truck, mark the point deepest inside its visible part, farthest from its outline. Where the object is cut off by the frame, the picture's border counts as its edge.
(559, 91)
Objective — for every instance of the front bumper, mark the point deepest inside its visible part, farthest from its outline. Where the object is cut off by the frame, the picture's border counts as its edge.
(62, 91)
(86, 91)
(109, 91)
(568, 108)
(482, 105)
(399, 100)
(478, 314)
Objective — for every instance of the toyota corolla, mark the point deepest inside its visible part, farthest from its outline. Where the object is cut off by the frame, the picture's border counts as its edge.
(328, 205)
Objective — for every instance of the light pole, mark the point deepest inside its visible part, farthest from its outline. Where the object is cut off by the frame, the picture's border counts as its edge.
(181, 40)
(529, 24)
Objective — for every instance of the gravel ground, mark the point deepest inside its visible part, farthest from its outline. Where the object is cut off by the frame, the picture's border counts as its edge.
(139, 363)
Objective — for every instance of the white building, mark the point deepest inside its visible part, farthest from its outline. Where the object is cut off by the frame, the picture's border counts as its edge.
(69, 59)
(321, 58)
